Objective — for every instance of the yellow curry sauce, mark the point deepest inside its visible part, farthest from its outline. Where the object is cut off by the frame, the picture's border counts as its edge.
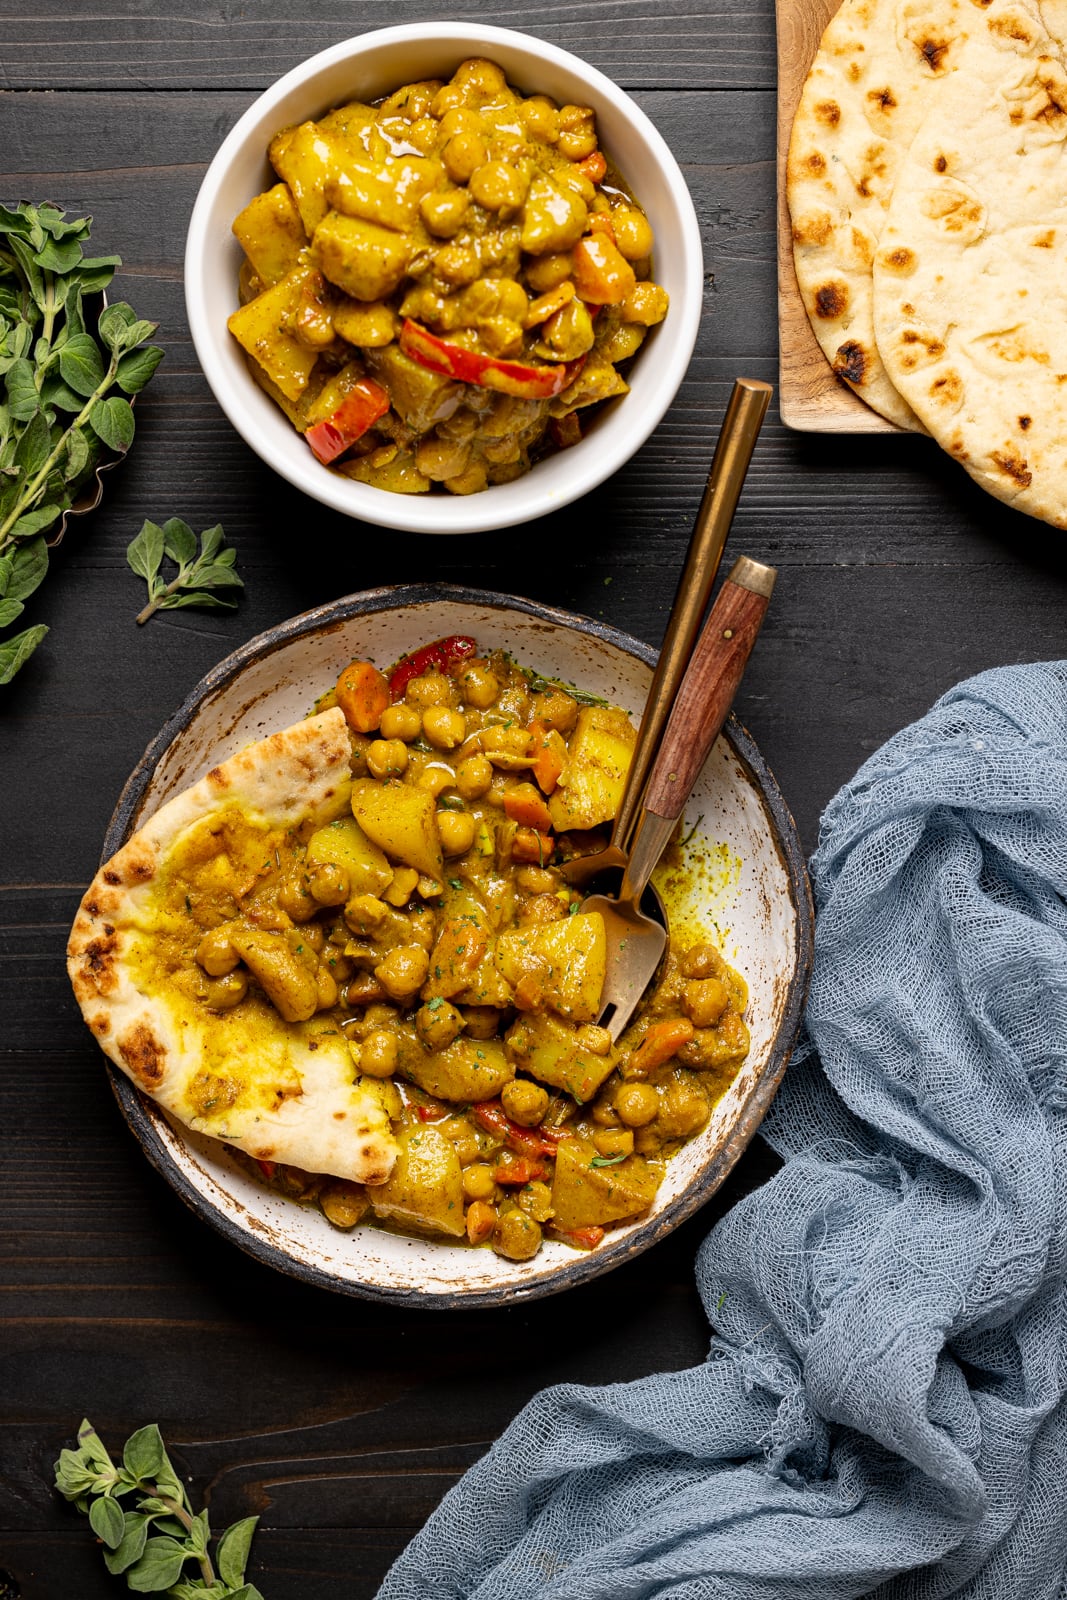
(442, 281)
(427, 933)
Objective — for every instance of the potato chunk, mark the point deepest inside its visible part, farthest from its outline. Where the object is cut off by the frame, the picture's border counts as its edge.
(585, 1196)
(271, 233)
(425, 1189)
(560, 965)
(551, 1051)
(262, 329)
(401, 820)
(365, 260)
(467, 1071)
(590, 785)
(288, 983)
(305, 157)
(344, 844)
(552, 219)
(388, 196)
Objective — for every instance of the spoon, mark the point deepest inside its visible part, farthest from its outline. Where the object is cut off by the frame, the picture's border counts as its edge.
(635, 943)
(733, 452)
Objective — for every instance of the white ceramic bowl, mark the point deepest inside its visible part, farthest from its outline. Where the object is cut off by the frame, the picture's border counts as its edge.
(751, 891)
(367, 68)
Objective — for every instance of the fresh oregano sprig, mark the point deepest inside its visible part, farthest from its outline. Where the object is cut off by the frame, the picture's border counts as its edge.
(198, 572)
(58, 405)
(153, 1543)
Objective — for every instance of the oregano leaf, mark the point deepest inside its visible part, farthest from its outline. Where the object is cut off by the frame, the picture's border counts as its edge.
(179, 541)
(136, 367)
(131, 1546)
(29, 563)
(231, 1552)
(159, 1565)
(145, 552)
(107, 1521)
(144, 1454)
(81, 364)
(14, 653)
(112, 421)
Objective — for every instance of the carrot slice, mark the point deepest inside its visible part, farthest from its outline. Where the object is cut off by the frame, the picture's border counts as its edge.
(524, 805)
(662, 1041)
(363, 694)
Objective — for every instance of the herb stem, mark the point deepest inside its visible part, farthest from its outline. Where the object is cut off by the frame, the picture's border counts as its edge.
(39, 480)
(154, 605)
(207, 1571)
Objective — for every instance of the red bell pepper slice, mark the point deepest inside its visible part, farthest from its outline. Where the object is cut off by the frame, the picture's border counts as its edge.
(531, 1142)
(360, 409)
(517, 378)
(519, 1171)
(579, 1238)
(438, 656)
(268, 1168)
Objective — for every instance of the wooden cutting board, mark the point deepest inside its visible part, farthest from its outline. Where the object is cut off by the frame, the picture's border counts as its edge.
(811, 397)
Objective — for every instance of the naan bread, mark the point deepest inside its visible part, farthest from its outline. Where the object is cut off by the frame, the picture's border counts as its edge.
(280, 1091)
(971, 282)
(881, 66)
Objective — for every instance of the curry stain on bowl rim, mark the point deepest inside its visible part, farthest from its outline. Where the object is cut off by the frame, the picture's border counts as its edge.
(760, 902)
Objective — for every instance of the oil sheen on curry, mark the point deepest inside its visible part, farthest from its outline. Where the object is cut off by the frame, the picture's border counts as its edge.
(443, 282)
(423, 934)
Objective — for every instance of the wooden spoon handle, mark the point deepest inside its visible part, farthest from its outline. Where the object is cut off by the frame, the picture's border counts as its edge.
(709, 685)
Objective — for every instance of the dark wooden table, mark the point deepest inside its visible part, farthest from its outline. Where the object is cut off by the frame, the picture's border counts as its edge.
(343, 1423)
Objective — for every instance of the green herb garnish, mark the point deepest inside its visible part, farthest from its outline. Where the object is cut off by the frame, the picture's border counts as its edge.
(152, 1543)
(58, 411)
(212, 568)
(606, 1161)
(540, 685)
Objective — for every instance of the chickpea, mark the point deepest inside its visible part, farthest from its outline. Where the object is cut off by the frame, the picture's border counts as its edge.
(614, 1141)
(604, 1113)
(482, 1022)
(432, 689)
(387, 758)
(646, 303)
(536, 880)
(540, 118)
(456, 830)
(479, 684)
(296, 899)
(443, 728)
(379, 1054)
(463, 155)
(400, 722)
(496, 185)
(344, 1204)
(437, 1024)
(436, 777)
(363, 990)
(461, 119)
(402, 887)
(548, 272)
(704, 1000)
(457, 264)
(365, 912)
(524, 1102)
(577, 132)
(445, 212)
(313, 934)
(480, 1222)
(633, 233)
(569, 333)
(684, 1110)
(701, 961)
(483, 80)
(478, 1182)
(517, 1236)
(557, 709)
(222, 993)
(216, 954)
(535, 1199)
(325, 989)
(329, 884)
(637, 1104)
(594, 1039)
(423, 927)
(473, 777)
(403, 972)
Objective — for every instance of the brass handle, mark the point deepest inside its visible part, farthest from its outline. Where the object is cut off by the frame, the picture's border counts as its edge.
(733, 452)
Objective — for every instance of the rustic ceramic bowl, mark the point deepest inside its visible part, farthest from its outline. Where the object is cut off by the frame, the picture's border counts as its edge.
(367, 68)
(748, 884)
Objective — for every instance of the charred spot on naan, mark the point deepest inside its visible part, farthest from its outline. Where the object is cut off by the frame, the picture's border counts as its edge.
(900, 261)
(815, 229)
(828, 112)
(831, 301)
(947, 390)
(144, 1055)
(853, 362)
(1012, 466)
(1025, 423)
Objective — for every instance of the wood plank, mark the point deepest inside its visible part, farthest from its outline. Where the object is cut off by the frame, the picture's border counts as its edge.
(811, 397)
(127, 45)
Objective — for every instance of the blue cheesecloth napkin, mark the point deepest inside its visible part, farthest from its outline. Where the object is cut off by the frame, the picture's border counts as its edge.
(883, 1410)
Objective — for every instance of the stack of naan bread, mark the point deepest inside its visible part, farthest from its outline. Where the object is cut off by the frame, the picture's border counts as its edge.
(927, 183)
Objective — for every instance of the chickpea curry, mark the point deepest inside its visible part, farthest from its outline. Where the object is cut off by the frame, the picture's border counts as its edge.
(443, 281)
(426, 932)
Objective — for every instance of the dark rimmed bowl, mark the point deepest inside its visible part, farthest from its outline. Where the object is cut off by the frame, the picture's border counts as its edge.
(746, 882)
